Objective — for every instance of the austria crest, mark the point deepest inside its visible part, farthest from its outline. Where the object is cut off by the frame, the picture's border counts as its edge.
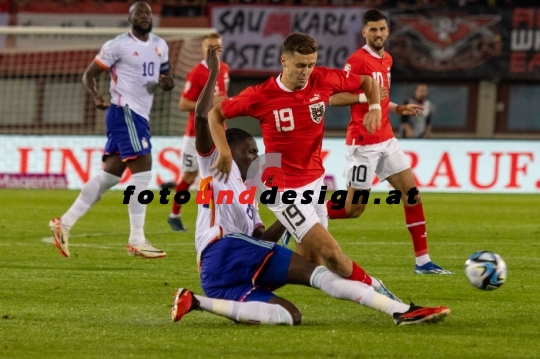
(317, 112)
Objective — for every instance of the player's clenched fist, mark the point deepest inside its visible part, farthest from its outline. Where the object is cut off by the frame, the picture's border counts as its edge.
(166, 82)
(100, 103)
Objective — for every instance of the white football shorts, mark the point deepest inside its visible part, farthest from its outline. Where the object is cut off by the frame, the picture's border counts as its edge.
(299, 218)
(383, 159)
(189, 155)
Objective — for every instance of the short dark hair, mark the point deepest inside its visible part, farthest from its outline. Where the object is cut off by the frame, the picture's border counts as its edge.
(234, 135)
(301, 43)
(373, 15)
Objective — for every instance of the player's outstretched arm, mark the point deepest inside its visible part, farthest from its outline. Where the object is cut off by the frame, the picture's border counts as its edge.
(223, 163)
(203, 137)
(89, 82)
(347, 98)
(407, 109)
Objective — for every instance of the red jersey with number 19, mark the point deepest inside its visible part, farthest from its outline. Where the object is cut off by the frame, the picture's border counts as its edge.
(366, 62)
(292, 122)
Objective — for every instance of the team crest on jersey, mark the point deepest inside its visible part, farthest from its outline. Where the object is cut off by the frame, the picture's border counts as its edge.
(158, 51)
(317, 112)
(347, 69)
(187, 86)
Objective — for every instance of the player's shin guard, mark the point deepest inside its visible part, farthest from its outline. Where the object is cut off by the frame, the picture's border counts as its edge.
(354, 291)
(335, 213)
(416, 224)
(137, 210)
(359, 274)
(246, 312)
(90, 194)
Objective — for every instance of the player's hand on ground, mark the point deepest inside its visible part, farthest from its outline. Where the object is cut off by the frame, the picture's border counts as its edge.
(223, 166)
(372, 120)
(100, 103)
(166, 82)
(383, 92)
(212, 57)
(410, 109)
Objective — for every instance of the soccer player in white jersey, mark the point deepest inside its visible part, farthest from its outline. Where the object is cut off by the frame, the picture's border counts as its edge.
(239, 262)
(138, 62)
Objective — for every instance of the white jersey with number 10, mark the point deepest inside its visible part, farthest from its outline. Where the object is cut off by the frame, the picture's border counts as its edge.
(135, 67)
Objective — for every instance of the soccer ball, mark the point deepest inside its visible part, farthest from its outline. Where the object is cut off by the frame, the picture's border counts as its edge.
(485, 270)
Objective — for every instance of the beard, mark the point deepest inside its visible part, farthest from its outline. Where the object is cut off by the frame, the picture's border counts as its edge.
(142, 30)
(375, 46)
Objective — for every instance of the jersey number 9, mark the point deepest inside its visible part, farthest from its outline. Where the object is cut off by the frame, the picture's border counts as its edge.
(284, 119)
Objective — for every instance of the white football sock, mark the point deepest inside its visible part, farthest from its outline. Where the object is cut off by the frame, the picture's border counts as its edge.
(246, 312)
(375, 283)
(423, 259)
(90, 194)
(354, 291)
(137, 211)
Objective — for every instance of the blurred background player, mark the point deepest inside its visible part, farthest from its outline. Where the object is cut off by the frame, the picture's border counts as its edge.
(371, 145)
(138, 62)
(238, 271)
(419, 125)
(195, 81)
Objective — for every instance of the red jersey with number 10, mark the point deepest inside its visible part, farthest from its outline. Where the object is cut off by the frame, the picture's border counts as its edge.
(292, 122)
(195, 82)
(366, 62)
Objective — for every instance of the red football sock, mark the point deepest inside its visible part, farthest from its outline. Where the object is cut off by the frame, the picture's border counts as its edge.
(359, 275)
(335, 213)
(182, 186)
(416, 224)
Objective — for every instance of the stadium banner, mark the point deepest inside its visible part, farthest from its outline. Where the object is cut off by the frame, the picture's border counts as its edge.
(466, 43)
(252, 35)
(475, 166)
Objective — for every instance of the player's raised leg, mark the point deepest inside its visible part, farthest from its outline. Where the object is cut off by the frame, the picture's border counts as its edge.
(90, 194)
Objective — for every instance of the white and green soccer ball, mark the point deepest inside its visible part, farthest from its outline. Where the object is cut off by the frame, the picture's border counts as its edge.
(486, 270)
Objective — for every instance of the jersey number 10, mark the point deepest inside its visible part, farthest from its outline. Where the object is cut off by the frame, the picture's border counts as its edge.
(148, 69)
(378, 76)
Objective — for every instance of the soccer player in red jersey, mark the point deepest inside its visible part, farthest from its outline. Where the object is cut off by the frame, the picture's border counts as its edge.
(240, 264)
(371, 145)
(195, 81)
(290, 109)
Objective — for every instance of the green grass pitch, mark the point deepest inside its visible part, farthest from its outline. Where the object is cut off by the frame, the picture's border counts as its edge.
(100, 303)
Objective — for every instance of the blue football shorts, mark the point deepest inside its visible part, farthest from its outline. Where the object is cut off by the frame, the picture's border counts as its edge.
(128, 134)
(243, 268)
